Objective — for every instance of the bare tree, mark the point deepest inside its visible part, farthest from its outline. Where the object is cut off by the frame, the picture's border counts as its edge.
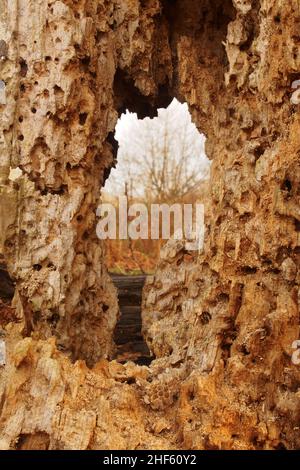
(161, 159)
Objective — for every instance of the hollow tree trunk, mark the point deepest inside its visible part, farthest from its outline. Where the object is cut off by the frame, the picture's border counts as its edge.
(222, 323)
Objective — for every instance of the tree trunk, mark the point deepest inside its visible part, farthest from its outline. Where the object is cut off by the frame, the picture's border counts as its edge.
(221, 324)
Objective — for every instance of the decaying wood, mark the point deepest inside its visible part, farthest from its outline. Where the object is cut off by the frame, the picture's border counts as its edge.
(221, 323)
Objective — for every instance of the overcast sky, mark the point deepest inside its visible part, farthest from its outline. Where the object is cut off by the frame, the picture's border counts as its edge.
(138, 139)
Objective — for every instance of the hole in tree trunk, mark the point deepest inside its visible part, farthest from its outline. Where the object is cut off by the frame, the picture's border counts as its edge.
(161, 163)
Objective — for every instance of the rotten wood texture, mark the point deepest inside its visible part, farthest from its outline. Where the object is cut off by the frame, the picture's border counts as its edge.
(222, 323)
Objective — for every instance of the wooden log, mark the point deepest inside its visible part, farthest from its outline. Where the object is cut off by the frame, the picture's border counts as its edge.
(128, 337)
